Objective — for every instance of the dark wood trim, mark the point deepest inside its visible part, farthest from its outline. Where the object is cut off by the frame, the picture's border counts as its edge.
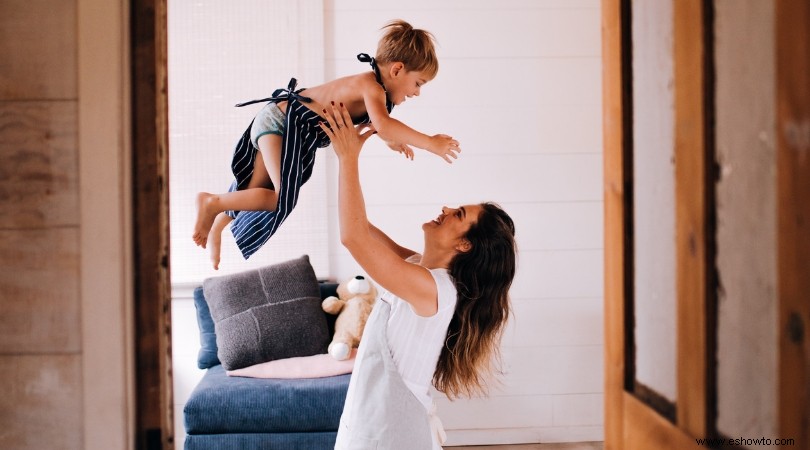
(645, 429)
(628, 207)
(692, 205)
(614, 112)
(793, 221)
(152, 297)
(656, 401)
(164, 280)
(712, 177)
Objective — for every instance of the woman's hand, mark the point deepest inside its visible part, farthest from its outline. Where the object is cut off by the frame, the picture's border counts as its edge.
(346, 139)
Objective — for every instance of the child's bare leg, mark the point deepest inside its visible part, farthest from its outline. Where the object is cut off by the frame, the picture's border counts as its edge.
(220, 222)
(258, 180)
(209, 205)
(270, 151)
(258, 196)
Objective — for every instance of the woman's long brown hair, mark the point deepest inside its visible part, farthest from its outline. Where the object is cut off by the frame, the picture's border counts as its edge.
(483, 276)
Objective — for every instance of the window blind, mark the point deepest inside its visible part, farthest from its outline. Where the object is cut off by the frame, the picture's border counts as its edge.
(220, 54)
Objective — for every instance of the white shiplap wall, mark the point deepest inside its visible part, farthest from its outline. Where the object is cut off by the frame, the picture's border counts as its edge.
(520, 86)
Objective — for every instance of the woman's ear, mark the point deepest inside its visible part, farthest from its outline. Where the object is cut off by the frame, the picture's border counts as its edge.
(464, 245)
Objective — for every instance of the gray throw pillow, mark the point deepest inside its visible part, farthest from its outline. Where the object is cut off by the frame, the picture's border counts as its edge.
(266, 314)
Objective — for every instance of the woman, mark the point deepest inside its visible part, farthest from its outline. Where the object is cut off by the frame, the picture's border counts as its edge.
(440, 316)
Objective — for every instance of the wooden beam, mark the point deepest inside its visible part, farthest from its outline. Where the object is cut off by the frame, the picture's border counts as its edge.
(164, 282)
(154, 416)
(614, 175)
(692, 206)
(793, 222)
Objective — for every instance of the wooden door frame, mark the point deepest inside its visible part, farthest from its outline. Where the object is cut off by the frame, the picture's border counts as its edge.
(617, 104)
(629, 422)
(154, 421)
(695, 226)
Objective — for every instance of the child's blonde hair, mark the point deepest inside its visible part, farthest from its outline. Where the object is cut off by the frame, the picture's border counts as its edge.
(412, 47)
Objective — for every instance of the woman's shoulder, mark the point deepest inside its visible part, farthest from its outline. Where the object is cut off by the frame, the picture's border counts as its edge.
(445, 288)
(441, 276)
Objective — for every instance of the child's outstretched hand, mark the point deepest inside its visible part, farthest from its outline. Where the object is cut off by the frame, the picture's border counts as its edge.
(401, 148)
(444, 146)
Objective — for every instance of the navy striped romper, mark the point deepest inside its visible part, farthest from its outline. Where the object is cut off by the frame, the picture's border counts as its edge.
(301, 139)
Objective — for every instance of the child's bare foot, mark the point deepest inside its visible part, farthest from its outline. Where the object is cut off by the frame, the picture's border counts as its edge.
(205, 218)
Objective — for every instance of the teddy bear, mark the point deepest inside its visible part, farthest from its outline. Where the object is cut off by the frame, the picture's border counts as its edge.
(353, 305)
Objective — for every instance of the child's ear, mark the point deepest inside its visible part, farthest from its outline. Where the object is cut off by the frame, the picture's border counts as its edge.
(397, 68)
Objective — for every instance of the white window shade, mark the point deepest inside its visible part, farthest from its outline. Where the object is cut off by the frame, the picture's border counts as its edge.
(220, 54)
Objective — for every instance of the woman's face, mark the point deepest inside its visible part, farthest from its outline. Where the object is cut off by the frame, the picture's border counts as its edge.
(405, 84)
(449, 228)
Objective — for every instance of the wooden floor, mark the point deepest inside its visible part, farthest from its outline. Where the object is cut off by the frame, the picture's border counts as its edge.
(561, 446)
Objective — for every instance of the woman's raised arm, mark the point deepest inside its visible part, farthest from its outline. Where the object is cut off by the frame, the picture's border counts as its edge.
(401, 251)
(376, 256)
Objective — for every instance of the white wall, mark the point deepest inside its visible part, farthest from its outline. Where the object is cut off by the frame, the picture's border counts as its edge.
(211, 68)
(519, 85)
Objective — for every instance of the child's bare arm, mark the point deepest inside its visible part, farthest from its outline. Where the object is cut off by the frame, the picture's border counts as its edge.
(396, 133)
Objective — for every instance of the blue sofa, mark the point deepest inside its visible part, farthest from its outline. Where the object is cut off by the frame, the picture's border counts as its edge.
(225, 413)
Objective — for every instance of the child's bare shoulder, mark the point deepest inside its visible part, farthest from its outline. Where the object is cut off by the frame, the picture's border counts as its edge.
(370, 88)
(351, 85)
(362, 82)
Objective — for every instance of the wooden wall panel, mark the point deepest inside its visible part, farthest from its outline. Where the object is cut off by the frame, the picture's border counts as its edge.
(105, 130)
(39, 288)
(38, 48)
(38, 164)
(40, 399)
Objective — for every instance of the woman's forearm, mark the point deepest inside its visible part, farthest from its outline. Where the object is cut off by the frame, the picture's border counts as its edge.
(378, 234)
(354, 224)
(383, 264)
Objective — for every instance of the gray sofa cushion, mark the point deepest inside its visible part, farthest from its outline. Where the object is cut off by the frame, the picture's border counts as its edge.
(265, 314)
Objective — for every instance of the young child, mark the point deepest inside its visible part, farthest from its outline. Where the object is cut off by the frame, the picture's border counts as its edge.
(274, 156)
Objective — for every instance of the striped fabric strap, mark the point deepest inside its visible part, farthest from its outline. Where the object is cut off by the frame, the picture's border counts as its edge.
(281, 94)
